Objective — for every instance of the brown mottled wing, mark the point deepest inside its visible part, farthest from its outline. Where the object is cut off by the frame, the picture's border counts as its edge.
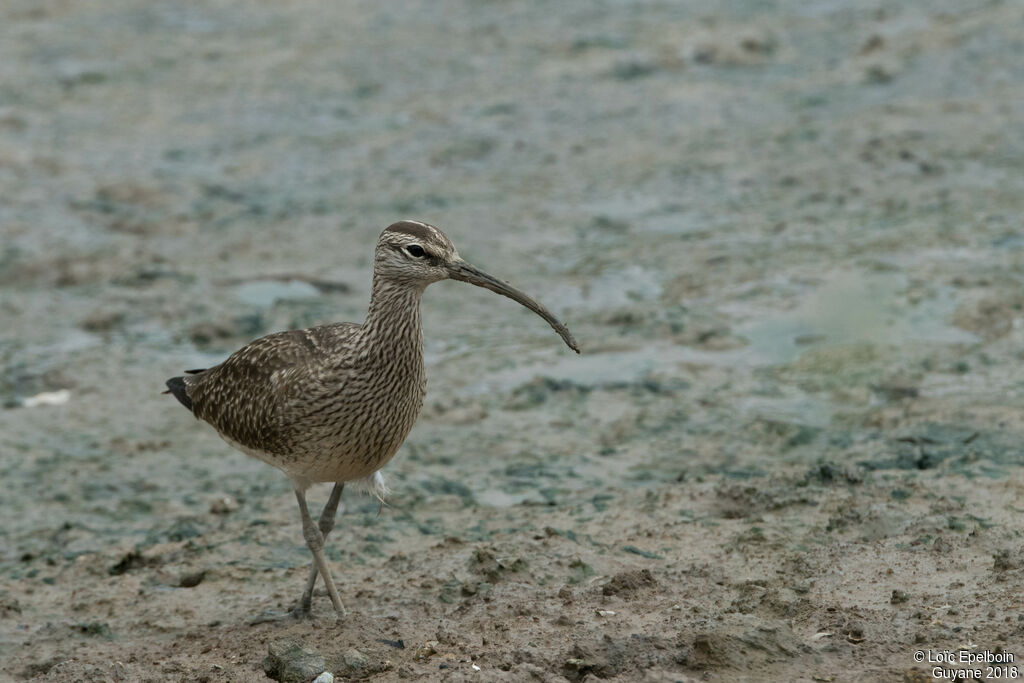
(249, 397)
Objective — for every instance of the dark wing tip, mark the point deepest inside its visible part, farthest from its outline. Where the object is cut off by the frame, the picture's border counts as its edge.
(176, 386)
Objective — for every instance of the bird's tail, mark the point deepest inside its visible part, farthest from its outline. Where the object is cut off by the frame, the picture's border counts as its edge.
(176, 386)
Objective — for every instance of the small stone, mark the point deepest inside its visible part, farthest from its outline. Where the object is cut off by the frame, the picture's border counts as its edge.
(325, 677)
(289, 661)
(192, 579)
(354, 660)
(898, 597)
(224, 505)
(427, 650)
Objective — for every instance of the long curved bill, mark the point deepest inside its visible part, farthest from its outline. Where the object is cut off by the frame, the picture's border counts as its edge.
(460, 270)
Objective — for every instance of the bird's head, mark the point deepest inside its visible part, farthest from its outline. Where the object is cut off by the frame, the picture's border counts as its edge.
(416, 254)
(413, 253)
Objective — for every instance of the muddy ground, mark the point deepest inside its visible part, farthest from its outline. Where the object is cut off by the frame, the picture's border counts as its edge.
(786, 234)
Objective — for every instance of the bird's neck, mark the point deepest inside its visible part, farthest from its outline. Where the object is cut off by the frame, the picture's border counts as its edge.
(393, 323)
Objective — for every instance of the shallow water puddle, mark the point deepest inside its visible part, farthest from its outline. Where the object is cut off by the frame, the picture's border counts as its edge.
(848, 308)
(854, 307)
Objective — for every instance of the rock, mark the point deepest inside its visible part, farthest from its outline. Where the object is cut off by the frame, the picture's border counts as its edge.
(354, 660)
(289, 661)
(599, 658)
(192, 579)
(427, 650)
(351, 664)
(224, 505)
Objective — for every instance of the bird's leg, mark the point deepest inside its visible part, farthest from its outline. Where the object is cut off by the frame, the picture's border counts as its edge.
(315, 541)
(326, 523)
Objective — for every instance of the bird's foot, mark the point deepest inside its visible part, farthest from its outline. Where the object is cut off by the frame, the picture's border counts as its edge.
(274, 617)
(300, 611)
(297, 612)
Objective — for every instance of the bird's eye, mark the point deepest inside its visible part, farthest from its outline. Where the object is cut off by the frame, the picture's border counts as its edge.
(415, 250)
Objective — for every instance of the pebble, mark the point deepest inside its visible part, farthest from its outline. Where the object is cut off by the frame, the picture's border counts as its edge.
(289, 661)
(224, 505)
(354, 660)
(426, 650)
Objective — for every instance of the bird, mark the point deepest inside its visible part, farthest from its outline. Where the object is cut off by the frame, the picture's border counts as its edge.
(334, 403)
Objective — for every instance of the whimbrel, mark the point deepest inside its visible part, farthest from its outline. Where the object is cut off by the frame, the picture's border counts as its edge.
(334, 403)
